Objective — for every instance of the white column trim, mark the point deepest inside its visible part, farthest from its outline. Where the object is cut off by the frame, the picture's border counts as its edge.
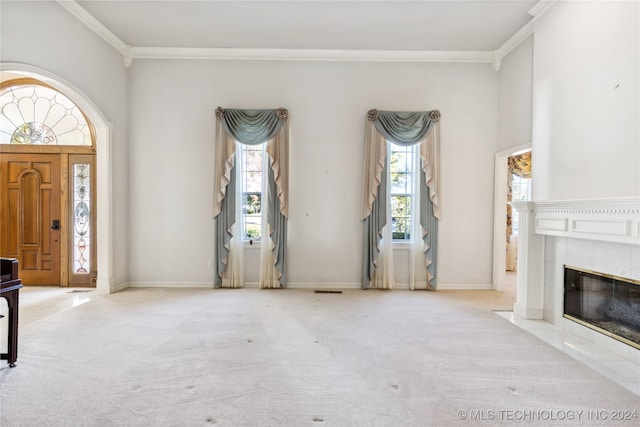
(530, 287)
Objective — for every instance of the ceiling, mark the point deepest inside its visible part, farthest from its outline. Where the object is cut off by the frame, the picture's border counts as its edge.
(451, 25)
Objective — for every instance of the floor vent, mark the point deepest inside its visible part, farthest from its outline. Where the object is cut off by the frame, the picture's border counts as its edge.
(79, 290)
(324, 291)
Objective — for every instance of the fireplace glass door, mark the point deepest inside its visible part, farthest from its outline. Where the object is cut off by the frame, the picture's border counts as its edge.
(606, 303)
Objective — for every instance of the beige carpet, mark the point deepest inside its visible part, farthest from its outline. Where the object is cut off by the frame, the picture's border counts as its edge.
(193, 357)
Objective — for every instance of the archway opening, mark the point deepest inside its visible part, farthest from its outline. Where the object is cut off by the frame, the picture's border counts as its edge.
(103, 147)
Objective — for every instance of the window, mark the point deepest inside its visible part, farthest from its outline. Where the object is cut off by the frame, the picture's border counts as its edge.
(520, 190)
(251, 167)
(33, 113)
(401, 178)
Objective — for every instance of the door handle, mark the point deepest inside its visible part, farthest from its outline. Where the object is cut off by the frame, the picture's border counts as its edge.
(55, 225)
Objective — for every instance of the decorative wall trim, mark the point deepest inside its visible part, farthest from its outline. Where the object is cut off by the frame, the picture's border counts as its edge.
(97, 27)
(610, 220)
(343, 55)
(552, 224)
(513, 42)
(539, 9)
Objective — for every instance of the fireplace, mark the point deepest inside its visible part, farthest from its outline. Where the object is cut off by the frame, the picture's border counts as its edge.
(608, 304)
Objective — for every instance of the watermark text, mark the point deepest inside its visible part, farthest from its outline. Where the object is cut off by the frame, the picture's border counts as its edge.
(515, 415)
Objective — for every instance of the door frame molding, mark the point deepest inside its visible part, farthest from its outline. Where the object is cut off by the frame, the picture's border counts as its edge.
(500, 215)
(104, 176)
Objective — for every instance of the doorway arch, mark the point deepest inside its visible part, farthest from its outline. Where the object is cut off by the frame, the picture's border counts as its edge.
(103, 128)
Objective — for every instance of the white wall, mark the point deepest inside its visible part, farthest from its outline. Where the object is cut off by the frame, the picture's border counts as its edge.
(45, 35)
(514, 97)
(586, 101)
(171, 156)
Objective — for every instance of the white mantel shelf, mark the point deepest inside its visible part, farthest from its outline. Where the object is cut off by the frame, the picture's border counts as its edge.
(609, 220)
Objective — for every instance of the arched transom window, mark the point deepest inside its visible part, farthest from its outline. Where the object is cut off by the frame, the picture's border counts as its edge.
(34, 113)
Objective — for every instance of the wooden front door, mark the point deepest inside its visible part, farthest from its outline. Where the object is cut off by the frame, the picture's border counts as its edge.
(30, 226)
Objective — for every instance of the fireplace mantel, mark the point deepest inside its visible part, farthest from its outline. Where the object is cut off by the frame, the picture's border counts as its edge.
(609, 220)
(604, 220)
(601, 235)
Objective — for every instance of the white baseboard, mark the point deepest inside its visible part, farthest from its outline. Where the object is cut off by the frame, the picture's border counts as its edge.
(119, 287)
(170, 285)
(299, 285)
(464, 287)
(316, 285)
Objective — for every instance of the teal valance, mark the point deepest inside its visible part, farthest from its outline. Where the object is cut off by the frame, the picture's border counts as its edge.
(403, 128)
(252, 126)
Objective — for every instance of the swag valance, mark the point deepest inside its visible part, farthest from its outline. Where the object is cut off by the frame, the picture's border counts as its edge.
(520, 165)
(252, 127)
(402, 128)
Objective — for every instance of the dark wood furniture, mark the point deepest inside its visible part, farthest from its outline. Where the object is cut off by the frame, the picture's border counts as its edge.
(10, 285)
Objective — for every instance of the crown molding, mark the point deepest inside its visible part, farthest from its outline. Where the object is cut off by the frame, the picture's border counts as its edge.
(97, 27)
(538, 9)
(311, 55)
(344, 55)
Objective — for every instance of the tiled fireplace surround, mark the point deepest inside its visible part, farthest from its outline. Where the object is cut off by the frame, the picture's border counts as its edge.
(602, 235)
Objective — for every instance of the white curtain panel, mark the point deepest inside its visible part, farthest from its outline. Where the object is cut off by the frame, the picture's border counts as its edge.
(383, 278)
(269, 276)
(233, 276)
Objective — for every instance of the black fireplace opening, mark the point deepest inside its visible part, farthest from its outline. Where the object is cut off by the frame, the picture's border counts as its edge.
(608, 304)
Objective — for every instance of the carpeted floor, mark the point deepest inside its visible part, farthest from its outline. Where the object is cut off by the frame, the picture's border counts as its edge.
(194, 357)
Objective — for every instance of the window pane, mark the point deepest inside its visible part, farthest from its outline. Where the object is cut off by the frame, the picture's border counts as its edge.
(520, 188)
(401, 169)
(251, 165)
(401, 206)
(251, 203)
(253, 160)
(401, 229)
(251, 213)
(38, 115)
(252, 227)
(398, 161)
(399, 183)
(401, 217)
(253, 182)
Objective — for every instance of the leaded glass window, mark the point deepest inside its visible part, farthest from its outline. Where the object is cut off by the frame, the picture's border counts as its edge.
(81, 218)
(35, 114)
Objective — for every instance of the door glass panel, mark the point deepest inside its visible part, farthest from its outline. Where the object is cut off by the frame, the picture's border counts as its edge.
(81, 218)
